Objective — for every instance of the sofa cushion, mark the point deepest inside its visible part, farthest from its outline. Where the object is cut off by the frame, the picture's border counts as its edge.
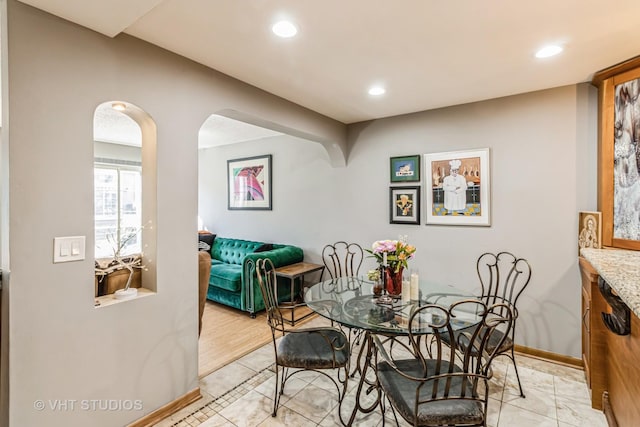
(232, 251)
(226, 276)
(264, 248)
(205, 241)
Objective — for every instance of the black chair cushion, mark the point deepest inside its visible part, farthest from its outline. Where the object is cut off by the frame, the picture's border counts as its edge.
(311, 350)
(494, 340)
(401, 392)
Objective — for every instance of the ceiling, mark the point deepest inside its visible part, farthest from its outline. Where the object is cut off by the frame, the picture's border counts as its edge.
(427, 53)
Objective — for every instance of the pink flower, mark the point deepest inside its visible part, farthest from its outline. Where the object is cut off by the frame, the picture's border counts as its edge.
(397, 252)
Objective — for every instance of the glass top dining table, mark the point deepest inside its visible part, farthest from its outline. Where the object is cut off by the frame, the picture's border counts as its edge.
(350, 302)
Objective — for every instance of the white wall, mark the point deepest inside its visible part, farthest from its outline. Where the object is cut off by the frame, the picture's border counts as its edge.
(543, 167)
(59, 346)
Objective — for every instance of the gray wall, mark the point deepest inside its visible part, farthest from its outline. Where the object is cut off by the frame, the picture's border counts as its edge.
(61, 347)
(58, 345)
(543, 147)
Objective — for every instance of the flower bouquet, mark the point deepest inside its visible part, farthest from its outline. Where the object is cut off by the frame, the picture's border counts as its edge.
(392, 255)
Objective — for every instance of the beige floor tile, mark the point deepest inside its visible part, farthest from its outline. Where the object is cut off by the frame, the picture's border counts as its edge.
(248, 411)
(493, 412)
(314, 402)
(512, 416)
(286, 418)
(568, 388)
(217, 421)
(578, 412)
(259, 359)
(540, 401)
(224, 379)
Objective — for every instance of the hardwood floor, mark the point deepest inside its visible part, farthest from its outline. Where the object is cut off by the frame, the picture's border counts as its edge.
(228, 334)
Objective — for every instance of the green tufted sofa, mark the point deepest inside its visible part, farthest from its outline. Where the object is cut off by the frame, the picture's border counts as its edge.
(233, 279)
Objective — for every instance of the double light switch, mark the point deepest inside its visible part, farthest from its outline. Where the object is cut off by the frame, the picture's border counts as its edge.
(69, 248)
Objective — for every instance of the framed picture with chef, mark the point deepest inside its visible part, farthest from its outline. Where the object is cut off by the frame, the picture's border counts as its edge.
(457, 187)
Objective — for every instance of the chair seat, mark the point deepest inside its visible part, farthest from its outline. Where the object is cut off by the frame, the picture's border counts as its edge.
(401, 392)
(311, 350)
(494, 340)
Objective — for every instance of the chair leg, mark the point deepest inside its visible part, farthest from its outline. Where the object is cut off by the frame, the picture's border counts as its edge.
(515, 367)
(276, 396)
(281, 377)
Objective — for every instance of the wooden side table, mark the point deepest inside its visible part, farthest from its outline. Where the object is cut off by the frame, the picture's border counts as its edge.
(293, 272)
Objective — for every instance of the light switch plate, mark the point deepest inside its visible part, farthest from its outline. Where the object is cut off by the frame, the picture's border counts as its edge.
(70, 248)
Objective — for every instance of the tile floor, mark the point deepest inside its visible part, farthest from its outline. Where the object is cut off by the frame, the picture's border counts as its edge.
(241, 394)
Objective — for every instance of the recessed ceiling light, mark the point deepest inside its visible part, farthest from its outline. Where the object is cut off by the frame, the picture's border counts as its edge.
(548, 51)
(119, 106)
(284, 29)
(377, 91)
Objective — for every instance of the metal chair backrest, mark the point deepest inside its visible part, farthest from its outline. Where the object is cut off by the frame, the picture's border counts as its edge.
(461, 336)
(266, 274)
(450, 371)
(342, 259)
(503, 277)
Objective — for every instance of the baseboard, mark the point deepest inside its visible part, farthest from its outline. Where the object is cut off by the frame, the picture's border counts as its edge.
(549, 356)
(168, 409)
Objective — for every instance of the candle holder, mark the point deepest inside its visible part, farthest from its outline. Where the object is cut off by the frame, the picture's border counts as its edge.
(385, 298)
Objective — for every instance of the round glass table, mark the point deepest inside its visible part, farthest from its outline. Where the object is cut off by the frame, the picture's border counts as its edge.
(350, 302)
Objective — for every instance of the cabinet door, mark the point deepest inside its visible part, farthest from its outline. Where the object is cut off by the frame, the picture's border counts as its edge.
(586, 334)
(589, 278)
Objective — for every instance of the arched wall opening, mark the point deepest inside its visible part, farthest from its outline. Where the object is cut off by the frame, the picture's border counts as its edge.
(125, 211)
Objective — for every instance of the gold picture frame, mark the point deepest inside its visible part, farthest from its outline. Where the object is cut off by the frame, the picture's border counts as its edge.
(589, 230)
(618, 152)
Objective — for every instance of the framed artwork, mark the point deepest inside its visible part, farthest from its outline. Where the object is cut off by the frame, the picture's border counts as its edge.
(405, 169)
(619, 156)
(457, 187)
(404, 205)
(249, 183)
(589, 230)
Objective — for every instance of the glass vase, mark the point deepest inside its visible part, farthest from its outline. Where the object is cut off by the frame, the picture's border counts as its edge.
(394, 281)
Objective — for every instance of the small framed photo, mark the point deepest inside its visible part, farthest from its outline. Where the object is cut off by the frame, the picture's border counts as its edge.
(404, 205)
(589, 230)
(405, 169)
(457, 187)
(249, 183)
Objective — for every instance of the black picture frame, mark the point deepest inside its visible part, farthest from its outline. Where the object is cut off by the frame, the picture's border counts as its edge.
(404, 205)
(249, 183)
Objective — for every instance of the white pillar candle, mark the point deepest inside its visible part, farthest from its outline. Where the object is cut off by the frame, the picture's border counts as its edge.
(406, 291)
(414, 286)
(384, 259)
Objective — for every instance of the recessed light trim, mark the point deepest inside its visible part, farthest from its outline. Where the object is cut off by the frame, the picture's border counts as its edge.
(284, 29)
(377, 91)
(119, 106)
(548, 51)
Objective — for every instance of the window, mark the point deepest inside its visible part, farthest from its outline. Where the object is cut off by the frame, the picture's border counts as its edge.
(118, 210)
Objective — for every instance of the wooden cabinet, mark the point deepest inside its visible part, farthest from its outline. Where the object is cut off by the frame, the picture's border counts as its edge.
(611, 361)
(594, 348)
(586, 330)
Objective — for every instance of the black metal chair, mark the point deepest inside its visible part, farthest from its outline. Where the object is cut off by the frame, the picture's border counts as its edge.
(503, 278)
(342, 259)
(308, 349)
(444, 381)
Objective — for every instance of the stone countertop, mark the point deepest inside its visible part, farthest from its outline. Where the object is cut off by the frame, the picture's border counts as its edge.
(620, 268)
